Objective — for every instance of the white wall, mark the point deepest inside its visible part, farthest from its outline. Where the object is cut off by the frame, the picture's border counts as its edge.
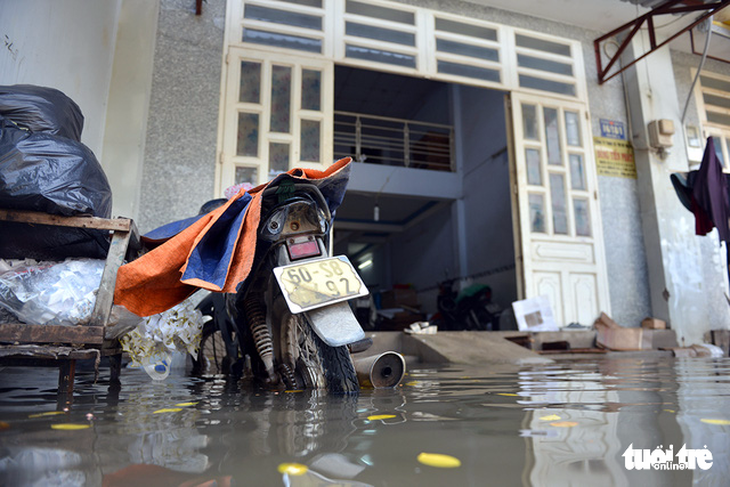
(63, 44)
(424, 254)
(129, 97)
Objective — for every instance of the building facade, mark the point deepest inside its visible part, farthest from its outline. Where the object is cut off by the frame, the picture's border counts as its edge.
(478, 135)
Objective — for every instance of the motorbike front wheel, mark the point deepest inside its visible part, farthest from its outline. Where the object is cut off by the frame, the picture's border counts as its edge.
(321, 366)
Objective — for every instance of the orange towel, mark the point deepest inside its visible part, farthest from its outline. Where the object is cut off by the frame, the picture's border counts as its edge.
(153, 283)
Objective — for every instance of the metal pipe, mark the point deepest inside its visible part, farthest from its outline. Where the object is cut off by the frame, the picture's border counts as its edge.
(380, 371)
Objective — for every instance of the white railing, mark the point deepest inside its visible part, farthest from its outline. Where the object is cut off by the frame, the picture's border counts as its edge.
(394, 141)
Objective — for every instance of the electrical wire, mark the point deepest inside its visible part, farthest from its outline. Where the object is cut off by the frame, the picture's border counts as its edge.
(707, 22)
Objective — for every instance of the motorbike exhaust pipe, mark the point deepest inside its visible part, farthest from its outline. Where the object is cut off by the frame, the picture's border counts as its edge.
(380, 371)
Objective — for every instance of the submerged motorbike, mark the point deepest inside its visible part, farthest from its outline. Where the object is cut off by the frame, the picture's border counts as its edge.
(470, 309)
(289, 325)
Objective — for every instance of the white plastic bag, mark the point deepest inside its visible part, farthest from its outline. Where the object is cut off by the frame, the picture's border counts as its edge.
(158, 337)
(51, 293)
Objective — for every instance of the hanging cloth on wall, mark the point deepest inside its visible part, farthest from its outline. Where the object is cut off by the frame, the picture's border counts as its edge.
(710, 196)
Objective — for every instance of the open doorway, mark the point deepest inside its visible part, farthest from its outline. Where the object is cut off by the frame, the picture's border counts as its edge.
(405, 239)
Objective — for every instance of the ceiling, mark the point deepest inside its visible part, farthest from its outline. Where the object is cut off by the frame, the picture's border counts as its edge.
(386, 94)
(355, 219)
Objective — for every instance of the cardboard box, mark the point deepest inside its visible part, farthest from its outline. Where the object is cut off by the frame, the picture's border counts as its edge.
(663, 339)
(654, 324)
(684, 352)
(623, 339)
(605, 320)
(613, 336)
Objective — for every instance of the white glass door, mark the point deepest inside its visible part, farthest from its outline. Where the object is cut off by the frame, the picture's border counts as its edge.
(561, 243)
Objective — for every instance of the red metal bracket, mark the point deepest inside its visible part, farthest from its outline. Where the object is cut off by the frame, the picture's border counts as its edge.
(699, 53)
(668, 7)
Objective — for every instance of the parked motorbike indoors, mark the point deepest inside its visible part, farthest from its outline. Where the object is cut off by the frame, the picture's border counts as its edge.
(470, 309)
(289, 325)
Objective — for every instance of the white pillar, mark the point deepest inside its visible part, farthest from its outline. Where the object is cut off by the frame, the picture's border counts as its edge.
(672, 249)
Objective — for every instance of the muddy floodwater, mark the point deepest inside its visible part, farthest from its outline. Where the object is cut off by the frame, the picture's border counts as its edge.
(612, 421)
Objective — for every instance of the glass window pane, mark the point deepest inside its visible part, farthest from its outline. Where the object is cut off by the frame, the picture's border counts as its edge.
(542, 45)
(557, 196)
(582, 217)
(529, 121)
(380, 56)
(380, 34)
(250, 89)
(282, 40)
(534, 172)
(544, 65)
(256, 12)
(466, 29)
(247, 142)
(720, 118)
(278, 158)
(552, 136)
(714, 83)
(280, 99)
(577, 172)
(547, 85)
(718, 101)
(247, 175)
(308, 3)
(310, 141)
(376, 12)
(311, 89)
(537, 213)
(469, 71)
(467, 50)
(572, 129)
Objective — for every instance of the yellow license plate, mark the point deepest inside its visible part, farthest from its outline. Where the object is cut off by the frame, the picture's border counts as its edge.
(316, 283)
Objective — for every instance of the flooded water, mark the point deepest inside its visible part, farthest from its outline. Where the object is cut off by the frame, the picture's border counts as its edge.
(568, 423)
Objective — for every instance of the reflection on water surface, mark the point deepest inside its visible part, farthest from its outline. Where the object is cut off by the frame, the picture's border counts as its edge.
(569, 423)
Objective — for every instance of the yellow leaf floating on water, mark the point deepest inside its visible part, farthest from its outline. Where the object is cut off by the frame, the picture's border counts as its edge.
(564, 424)
(721, 422)
(70, 426)
(412, 383)
(669, 410)
(511, 394)
(292, 469)
(47, 413)
(168, 410)
(294, 391)
(4, 425)
(376, 417)
(184, 404)
(551, 417)
(439, 460)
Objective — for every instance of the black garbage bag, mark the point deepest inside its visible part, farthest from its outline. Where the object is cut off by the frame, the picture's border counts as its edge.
(41, 109)
(43, 172)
